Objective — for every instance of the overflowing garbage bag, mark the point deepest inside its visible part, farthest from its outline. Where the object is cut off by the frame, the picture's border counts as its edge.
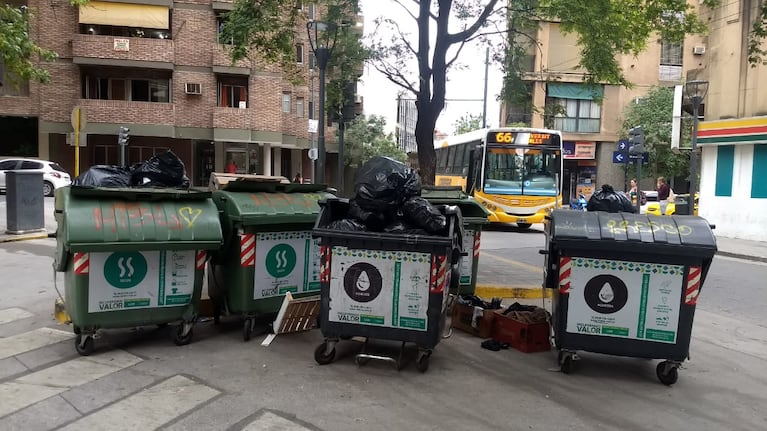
(383, 184)
(423, 214)
(104, 176)
(161, 170)
(607, 199)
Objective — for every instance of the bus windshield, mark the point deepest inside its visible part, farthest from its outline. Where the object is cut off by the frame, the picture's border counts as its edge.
(521, 171)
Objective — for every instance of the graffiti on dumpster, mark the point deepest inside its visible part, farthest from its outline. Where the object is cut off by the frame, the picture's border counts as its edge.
(125, 215)
(621, 227)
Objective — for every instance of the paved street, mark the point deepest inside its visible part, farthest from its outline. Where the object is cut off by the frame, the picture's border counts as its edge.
(139, 379)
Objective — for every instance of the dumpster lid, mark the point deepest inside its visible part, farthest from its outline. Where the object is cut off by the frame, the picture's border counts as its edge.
(219, 179)
(99, 219)
(636, 233)
(454, 195)
(275, 204)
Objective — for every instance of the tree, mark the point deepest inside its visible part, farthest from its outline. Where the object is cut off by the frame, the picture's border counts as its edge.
(365, 138)
(19, 55)
(266, 29)
(467, 123)
(604, 28)
(654, 114)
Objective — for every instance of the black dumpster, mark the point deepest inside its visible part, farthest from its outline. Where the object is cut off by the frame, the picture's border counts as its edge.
(626, 284)
(384, 285)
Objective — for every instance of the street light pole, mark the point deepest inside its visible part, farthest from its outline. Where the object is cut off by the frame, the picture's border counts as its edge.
(696, 91)
(322, 37)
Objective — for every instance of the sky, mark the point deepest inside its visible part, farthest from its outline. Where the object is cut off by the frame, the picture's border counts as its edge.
(380, 94)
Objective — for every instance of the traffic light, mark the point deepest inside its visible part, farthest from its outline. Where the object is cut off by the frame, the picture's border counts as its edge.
(636, 140)
(122, 138)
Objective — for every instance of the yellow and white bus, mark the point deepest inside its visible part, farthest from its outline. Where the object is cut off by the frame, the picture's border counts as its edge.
(516, 173)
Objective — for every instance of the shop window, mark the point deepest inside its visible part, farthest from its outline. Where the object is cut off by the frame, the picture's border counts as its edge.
(759, 173)
(233, 92)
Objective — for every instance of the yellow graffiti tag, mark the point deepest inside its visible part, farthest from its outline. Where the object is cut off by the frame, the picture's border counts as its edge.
(624, 226)
(189, 215)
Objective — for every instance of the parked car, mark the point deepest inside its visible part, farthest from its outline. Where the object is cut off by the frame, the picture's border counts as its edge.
(54, 176)
(653, 208)
(652, 196)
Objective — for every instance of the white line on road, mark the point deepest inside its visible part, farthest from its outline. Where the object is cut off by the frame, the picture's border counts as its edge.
(272, 422)
(148, 409)
(33, 388)
(12, 314)
(40, 337)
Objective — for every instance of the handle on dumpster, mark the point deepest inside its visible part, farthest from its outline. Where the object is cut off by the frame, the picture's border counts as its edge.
(543, 251)
(712, 226)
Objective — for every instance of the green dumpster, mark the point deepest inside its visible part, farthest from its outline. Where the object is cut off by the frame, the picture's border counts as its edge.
(474, 217)
(268, 248)
(133, 257)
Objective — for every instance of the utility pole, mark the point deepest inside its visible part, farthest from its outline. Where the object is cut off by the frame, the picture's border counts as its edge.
(484, 99)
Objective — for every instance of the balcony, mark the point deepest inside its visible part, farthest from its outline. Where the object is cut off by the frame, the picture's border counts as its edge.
(124, 112)
(123, 51)
(233, 118)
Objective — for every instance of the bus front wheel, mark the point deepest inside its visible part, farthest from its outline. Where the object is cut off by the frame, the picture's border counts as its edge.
(524, 225)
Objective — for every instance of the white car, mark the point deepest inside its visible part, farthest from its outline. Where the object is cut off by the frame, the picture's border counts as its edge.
(54, 176)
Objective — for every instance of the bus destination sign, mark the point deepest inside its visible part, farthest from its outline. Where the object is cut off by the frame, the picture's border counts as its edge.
(512, 138)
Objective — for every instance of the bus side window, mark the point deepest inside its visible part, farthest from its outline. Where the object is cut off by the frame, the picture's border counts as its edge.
(458, 163)
(450, 159)
(441, 160)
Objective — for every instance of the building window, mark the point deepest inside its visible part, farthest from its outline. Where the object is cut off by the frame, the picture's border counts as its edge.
(577, 115)
(232, 92)
(310, 13)
(299, 53)
(286, 102)
(725, 164)
(759, 173)
(300, 107)
(311, 110)
(670, 54)
(312, 61)
(220, 22)
(133, 89)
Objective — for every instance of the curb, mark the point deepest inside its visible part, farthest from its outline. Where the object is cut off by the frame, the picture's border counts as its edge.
(24, 237)
(742, 256)
(530, 292)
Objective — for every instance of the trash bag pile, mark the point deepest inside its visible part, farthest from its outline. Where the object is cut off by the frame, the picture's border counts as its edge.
(607, 199)
(388, 199)
(161, 170)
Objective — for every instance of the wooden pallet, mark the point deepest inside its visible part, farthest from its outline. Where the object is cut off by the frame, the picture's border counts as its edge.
(295, 315)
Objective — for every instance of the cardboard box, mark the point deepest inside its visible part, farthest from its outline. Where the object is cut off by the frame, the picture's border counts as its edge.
(528, 338)
(463, 316)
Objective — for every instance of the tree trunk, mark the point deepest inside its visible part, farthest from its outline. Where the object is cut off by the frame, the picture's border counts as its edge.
(424, 137)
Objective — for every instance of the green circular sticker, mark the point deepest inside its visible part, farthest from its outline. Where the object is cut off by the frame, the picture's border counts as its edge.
(281, 260)
(126, 269)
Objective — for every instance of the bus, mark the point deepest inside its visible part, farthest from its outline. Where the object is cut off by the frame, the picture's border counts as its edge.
(516, 173)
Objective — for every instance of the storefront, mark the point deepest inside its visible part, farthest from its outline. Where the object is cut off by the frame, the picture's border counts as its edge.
(247, 158)
(580, 170)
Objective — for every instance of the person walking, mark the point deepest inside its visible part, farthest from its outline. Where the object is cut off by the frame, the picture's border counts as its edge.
(664, 191)
(298, 178)
(231, 167)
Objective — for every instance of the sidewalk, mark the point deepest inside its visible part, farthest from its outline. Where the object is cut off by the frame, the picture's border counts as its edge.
(50, 223)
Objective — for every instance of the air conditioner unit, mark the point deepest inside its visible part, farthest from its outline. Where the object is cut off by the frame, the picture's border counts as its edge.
(193, 88)
(699, 50)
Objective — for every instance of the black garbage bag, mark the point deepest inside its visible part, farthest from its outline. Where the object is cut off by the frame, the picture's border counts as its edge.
(161, 170)
(104, 176)
(400, 227)
(383, 183)
(348, 225)
(423, 214)
(607, 199)
(374, 220)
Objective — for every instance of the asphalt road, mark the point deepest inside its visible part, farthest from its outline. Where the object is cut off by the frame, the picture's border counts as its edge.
(140, 380)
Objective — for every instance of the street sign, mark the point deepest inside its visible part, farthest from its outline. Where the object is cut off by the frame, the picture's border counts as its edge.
(645, 157)
(313, 154)
(620, 157)
(623, 145)
(313, 126)
(78, 118)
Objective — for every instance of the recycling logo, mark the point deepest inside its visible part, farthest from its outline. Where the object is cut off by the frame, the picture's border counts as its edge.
(363, 282)
(606, 294)
(124, 270)
(281, 260)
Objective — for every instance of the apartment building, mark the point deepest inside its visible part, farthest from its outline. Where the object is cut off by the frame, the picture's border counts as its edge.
(591, 118)
(733, 136)
(160, 68)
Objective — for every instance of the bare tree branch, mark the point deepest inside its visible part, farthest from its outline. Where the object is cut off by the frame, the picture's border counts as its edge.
(402, 37)
(394, 76)
(465, 34)
(406, 9)
(457, 53)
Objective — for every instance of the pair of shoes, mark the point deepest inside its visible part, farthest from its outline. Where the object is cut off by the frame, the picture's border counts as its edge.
(494, 345)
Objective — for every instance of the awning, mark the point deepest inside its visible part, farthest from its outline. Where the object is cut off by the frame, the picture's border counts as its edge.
(125, 15)
(574, 91)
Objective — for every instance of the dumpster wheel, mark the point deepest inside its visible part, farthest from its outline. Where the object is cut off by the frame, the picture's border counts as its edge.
(247, 328)
(667, 372)
(84, 344)
(325, 353)
(566, 361)
(183, 335)
(422, 361)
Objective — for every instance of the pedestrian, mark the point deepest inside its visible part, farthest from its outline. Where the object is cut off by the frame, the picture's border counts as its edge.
(231, 167)
(298, 178)
(635, 194)
(664, 191)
